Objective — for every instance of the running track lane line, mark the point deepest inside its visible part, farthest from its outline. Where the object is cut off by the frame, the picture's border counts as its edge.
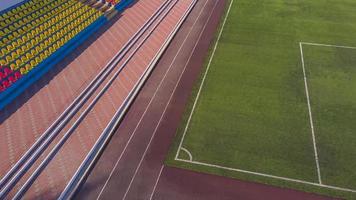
(170, 98)
(153, 97)
(118, 160)
(154, 187)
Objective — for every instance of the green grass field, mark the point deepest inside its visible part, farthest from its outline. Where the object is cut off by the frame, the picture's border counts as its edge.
(251, 120)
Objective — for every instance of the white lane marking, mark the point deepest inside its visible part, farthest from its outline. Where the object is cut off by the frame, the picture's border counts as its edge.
(310, 114)
(204, 77)
(267, 175)
(154, 187)
(170, 98)
(144, 113)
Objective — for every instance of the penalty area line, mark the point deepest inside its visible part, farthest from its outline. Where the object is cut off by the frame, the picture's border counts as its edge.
(327, 45)
(310, 113)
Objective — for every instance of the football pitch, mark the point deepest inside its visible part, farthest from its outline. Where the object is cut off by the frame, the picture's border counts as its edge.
(276, 102)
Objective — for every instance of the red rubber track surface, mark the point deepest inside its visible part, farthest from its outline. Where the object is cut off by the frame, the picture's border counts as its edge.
(131, 166)
(29, 116)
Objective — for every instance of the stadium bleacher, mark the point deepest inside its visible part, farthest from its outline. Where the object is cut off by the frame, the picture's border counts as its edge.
(33, 31)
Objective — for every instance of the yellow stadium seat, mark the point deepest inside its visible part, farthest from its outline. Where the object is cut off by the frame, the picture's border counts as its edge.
(28, 56)
(46, 53)
(28, 67)
(23, 71)
(33, 63)
(23, 59)
(14, 44)
(18, 62)
(13, 55)
(8, 59)
(4, 51)
(13, 67)
(9, 47)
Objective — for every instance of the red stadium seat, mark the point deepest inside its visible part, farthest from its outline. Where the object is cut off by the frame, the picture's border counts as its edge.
(17, 75)
(7, 71)
(12, 79)
(5, 84)
(2, 76)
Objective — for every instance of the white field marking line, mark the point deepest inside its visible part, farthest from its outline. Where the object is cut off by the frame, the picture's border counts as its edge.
(170, 98)
(154, 187)
(310, 114)
(268, 175)
(144, 113)
(202, 83)
(189, 154)
(327, 45)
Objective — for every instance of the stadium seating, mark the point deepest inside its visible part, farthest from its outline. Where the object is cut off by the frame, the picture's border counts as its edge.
(7, 77)
(30, 33)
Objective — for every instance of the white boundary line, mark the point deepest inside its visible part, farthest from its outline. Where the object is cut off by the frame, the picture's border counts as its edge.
(189, 154)
(267, 175)
(310, 113)
(204, 77)
(170, 98)
(154, 187)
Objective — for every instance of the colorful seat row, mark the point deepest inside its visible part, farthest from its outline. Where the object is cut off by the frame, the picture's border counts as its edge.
(28, 39)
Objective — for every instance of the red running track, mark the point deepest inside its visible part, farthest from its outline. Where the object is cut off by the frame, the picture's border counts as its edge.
(24, 120)
(132, 165)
